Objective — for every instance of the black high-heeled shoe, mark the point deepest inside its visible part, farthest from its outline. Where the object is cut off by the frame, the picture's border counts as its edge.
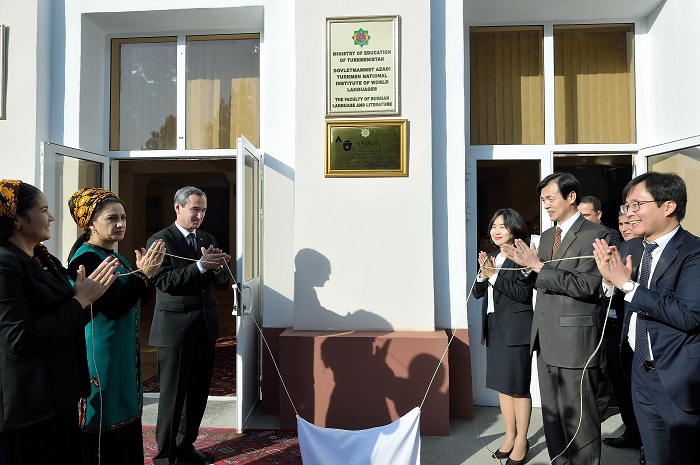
(522, 461)
(499, 454)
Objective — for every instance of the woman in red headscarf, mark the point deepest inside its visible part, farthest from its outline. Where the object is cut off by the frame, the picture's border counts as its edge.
(110, 416)
(42, 347)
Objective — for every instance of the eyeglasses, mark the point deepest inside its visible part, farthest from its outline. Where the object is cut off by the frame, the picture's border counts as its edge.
(634, 206)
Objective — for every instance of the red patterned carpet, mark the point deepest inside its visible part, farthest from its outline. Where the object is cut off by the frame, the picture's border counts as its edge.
(259, 447)
(223, 383)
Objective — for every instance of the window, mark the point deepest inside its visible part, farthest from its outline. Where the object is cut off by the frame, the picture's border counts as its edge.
(507, 86)
(144, 94)
(594, 84)
(686, 163)
(221, 91)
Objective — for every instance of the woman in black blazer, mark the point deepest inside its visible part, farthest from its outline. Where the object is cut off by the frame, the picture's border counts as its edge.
(42, 344)
(507, 322)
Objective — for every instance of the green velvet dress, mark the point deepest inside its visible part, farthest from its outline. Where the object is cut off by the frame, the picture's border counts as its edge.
(111, 416)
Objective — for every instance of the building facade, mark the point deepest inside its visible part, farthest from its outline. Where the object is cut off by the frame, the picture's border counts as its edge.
(359, 282)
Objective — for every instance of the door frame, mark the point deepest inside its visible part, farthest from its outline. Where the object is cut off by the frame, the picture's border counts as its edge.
(110, 176)
(544, 155)
(249, 305)
(49, 153)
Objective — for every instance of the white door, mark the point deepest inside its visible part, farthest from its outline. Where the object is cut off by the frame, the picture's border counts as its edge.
(512, 178)
(248, 235)
(64, 170)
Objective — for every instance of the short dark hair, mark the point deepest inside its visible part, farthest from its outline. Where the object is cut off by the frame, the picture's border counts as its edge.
(593, 200)
(566, 182)
(512, 221)
(662, 187)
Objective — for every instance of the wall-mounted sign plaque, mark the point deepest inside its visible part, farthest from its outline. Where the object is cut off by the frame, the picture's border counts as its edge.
(362, 66)
(366, 148)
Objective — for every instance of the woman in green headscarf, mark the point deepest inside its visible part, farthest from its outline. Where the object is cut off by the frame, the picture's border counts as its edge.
(111, 416)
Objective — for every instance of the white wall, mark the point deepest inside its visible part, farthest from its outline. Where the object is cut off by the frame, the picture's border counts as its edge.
(375, 233)
(670, 94)
(449, 162)
(26, 104)
(80, 100)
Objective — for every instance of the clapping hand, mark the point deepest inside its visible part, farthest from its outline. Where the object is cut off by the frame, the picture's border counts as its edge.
(487, 266)
(213, 258)
(614, 270)
(523, 255)
(149, 261)
(89, 289)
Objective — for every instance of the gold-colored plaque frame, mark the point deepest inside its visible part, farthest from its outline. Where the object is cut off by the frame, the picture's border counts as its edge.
(376, 91)
(369, 148)
(3, 70)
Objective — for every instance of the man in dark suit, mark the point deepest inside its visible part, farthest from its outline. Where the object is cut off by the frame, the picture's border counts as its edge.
(659, 274)
(591, 209)
(185, 328)
(618, 356)
(568, 322)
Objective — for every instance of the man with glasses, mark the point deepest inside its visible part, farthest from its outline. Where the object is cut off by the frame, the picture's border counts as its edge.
(659, 273)
(619, 357)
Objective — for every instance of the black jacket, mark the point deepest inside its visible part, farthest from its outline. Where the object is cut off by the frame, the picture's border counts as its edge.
(42, 341)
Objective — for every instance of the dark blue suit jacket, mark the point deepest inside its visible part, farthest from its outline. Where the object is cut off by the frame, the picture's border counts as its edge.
(671, 307)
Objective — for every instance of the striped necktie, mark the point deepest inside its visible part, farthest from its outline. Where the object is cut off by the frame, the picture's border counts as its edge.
(641, 346)
(557, 241)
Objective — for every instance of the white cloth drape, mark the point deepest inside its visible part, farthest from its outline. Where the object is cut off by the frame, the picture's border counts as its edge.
(397, 443)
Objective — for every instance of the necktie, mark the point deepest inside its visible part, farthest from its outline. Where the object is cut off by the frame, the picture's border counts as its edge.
(192, 239)
(557, 241)
(641, 346)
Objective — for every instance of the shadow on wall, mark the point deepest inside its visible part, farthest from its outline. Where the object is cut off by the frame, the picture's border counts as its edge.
(366, 378)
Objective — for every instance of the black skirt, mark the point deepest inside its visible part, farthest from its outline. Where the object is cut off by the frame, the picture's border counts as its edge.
(508, 368)
(118, 446)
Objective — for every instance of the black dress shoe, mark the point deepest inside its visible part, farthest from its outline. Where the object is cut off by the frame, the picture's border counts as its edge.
(196, 457)
(622, 441)
(642, 459)
(500, 454)
(522, 461)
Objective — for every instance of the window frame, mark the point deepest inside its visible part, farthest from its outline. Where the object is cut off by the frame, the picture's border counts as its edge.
(548, 71)
(114, 72)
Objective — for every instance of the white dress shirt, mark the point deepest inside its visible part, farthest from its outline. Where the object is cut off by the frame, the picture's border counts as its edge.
(661, 242)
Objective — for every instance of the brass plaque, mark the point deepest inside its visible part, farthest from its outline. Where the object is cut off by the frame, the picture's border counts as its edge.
(375, 148)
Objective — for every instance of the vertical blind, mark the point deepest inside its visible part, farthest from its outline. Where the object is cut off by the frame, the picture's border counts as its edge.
(507, 85)
(594, 84)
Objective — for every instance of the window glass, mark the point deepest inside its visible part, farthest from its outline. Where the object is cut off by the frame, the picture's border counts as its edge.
(144, 94)
(686, 164)
(223, 91)
(507, 85)
(594, 84)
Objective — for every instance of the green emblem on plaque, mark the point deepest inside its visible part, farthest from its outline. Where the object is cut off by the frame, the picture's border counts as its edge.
(361, 37)
(364, 132)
